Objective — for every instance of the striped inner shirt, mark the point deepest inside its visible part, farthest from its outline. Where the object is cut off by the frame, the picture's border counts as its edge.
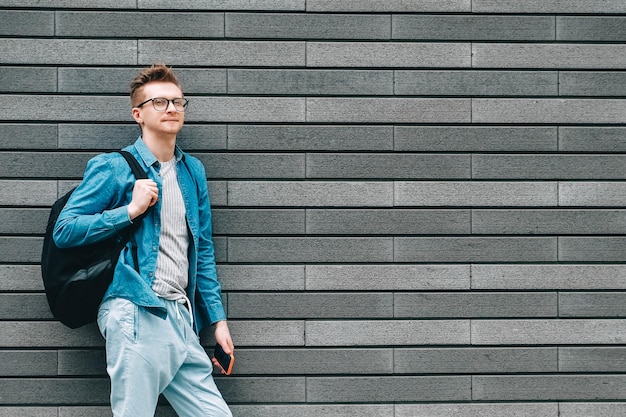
(171, 275)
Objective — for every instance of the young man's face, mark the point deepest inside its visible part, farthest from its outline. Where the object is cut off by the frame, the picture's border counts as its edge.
(167, 122)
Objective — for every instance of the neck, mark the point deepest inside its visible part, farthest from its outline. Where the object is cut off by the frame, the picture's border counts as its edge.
(161, 146)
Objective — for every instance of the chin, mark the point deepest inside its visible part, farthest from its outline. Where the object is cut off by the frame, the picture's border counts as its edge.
(168, 128)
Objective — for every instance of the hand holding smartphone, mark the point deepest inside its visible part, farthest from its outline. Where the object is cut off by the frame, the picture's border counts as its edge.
(223, 360)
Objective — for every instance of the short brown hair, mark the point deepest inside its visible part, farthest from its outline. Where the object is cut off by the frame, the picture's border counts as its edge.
(155, 73)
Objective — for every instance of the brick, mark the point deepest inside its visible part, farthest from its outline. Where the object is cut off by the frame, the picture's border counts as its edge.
(269, 5)
(257, 222)
(313, 194)
(114, 136)
(579, 409)
(26, 23)
(262, 389)
(28, 136)
(544, 277)
(595, 83)
(592, 304)
(82, 362)
(574, 28)
(477, 193)
(139, 24)
(43, 164)
(97, 136)
(312, 410)
(261, 277)
(548, 332)
(387, 277)
(388, 54)
(23, 221)
(387, 222)
(218, 193)
(593, 194)
(29, 411)
(221, 248)
(222, 53)
(24, 307)
(310, 138)
(66, 108)
(473, 28)
(591, 111)
(101, 411)
(161, 411)
(475, 139)
(594, 249)
(95, 80)
(388, 166)
(265, 333)
(471, 249)
(549, 387)
(307, 26)
(202, 81)
(28, 363)
(476, 83)
(75, 391)
(240, 165)
(314, 361)
(388, 389)
(48, 334)
(27, 192)
(302, 306)
(100, 4)
(68, 52)
(388, 6)
(297, 249)
(246, 109)
(539, 6)
(474, 360)
(478, 410)
(474, 305)
(592, 359)
(387, 332)
(548, 166)
(547, 56)
(20, 249)
(592, 139)
(65, 186)
(28, 80)
(117, 80)
(20, 278)
(310, 82)
(388, 110)
(553, 222)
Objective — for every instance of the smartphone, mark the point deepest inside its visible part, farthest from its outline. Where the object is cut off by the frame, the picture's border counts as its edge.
(224, 360)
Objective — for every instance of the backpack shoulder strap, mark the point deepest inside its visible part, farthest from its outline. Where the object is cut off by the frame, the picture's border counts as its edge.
(140, 174)
(138, 171)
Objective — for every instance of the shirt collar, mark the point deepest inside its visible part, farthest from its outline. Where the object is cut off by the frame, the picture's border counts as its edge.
(148, 158)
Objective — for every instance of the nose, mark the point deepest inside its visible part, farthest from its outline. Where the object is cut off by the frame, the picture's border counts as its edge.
(170, 107)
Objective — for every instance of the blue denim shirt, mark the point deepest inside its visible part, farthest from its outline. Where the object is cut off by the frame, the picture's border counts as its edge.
(98, 209)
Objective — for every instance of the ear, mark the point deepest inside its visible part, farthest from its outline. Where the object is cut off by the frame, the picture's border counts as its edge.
(137, 115)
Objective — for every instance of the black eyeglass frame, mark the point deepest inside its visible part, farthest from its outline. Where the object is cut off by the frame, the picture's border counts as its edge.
(185, 103)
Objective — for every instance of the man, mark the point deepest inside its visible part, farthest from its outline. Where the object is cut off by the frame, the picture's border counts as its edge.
(165, 287)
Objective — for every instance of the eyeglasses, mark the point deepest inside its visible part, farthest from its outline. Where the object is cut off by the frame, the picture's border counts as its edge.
(162, 103)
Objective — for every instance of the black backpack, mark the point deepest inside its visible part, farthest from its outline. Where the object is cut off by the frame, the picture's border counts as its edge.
(75, 279)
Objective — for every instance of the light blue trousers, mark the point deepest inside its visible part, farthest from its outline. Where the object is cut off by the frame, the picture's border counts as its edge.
(148, 355)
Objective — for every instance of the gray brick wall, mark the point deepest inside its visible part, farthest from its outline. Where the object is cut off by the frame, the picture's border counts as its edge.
(418, 205)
